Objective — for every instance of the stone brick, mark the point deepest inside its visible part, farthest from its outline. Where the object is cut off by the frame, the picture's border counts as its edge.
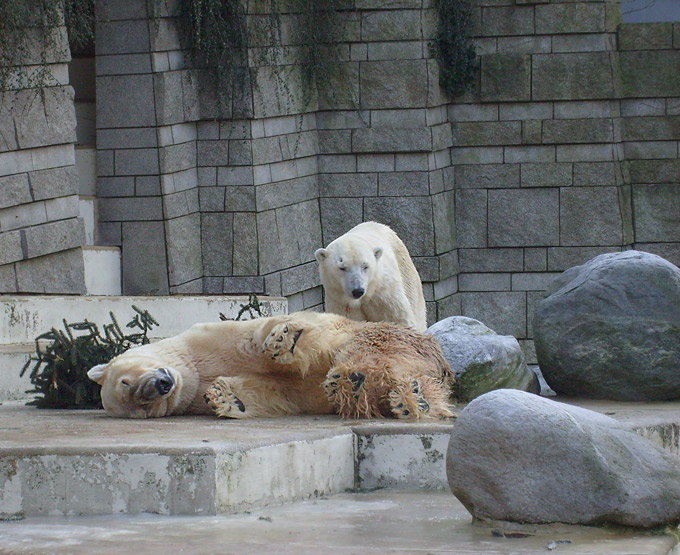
(471, 218)
(240, 153)
(490, 260)
(650, 149)
(120, 9)
(24, 215)
(590, 216)
(519, 217)
(473, 112)
(656, 171)
(402, 50)
(337, 163)
(586, 153)
(122, 37)
(381, 162)
(532, 132)
(391, 25)
(443, 207)
(528, 154)
(450, 306)
(506, 78)
(578, 131)
(657, 212)
(125, 101)
(546, 175)
(427, 267)
(110, 234)
(211, 199)
(407, 184)
(581, 17)
(650, 73)
(176, 158)
(62, 208)
(14, 190)
(487, 176)
(526, 111)
(398, 118)
(45, 119)
(212, 153)
(651, 128)
(306, 220)
(532, 281)
(274, 195)
(586, 109)
(577, 76)
(563, 258)
(245, 245)
(130, 209)
(243, 285)
(124, 64)
(477, 155)
(646, 36)
(8, 279)
(54, 182)
(65, 270)
(339, 215)
(415, 161)
(300, 278)
(486, 133)
(410, 217)
(335, 141)
(582, 43)
(239, 199)
(669, 251)
(216, 243)
(183, 237)
(53, 237)
(643, 107)
(535, 260)
(507, 20)
(484, 282)
(504, 311)
(521, 45)
(588, 174)
(348, 185)
(393, 84)
(10, 248)
(169, 97)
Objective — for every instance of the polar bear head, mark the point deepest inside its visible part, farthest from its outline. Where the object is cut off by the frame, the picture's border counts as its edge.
(349, 264)
(137, 384)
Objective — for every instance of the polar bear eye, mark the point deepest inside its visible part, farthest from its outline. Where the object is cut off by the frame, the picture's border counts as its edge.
(342, 269)
(125, 382)
(364, 267)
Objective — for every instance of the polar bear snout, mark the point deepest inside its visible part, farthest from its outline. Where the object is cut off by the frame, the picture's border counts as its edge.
(160, 383)
(358, 292)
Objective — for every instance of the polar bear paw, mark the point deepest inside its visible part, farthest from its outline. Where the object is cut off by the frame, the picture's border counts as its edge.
(281, 342)
(222, 399)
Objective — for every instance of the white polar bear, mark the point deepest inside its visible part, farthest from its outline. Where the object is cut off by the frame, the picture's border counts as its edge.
(368, 274)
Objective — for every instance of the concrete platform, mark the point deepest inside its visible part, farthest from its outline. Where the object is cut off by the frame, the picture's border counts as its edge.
(385, 521)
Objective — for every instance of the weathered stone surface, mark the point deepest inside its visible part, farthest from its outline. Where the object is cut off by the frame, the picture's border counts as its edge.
(143, 246)
(657, 212)
(610, 329)
(519, 457)
(523, 217)
(471, 218)
(14, 190)
(577, 76)
(577, 225)
(650, 73)
(487, 176)
(506, 77)
(58, 273)
(183, 238)
(216, 243)
(504, 311)
(125, 101)
(482, 360)
(581, 17)
(646, 36)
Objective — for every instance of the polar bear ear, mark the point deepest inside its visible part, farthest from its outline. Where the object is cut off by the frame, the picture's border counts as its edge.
(96, 373)
(378, 252)
(320, 254)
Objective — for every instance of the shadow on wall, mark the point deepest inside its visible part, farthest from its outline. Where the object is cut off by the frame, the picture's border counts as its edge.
(648, 11)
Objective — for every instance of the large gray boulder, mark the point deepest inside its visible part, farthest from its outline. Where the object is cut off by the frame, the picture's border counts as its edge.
(520, 457)
(481, 359)
(610, 329)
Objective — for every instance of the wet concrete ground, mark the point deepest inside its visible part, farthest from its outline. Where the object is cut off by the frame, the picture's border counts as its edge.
(383, 521)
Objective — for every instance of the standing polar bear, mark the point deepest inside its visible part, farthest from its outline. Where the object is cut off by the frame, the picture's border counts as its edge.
(368, 274)
(303, 363)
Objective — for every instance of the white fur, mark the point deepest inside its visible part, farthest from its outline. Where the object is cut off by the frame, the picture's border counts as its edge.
(370, 257)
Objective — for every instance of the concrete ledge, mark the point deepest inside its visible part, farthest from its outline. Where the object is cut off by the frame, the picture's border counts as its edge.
(55, 462)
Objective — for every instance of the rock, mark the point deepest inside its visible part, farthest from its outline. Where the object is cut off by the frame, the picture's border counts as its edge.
(610, 329)
(523, 458)
(481, 359)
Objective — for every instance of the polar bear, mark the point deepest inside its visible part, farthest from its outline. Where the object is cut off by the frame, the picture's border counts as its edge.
(368, 274)
(302, 363)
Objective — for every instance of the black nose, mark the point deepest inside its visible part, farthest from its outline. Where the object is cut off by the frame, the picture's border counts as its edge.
(356, 293)
(164, 382)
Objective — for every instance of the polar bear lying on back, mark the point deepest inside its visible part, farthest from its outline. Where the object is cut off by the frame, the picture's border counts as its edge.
(368, 274)
(303, 363)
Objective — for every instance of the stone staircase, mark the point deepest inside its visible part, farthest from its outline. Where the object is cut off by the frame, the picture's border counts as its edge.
(23, 318)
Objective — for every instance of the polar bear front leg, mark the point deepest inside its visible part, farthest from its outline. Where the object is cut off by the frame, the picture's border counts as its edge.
(249, 397)
(282, 341)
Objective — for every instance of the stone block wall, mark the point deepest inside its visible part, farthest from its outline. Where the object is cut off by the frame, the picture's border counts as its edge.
(559, 150)
(40, 230)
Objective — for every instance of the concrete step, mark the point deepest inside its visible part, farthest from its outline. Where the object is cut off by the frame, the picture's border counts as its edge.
(102, 270)
(23, 318)
(56, 462)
